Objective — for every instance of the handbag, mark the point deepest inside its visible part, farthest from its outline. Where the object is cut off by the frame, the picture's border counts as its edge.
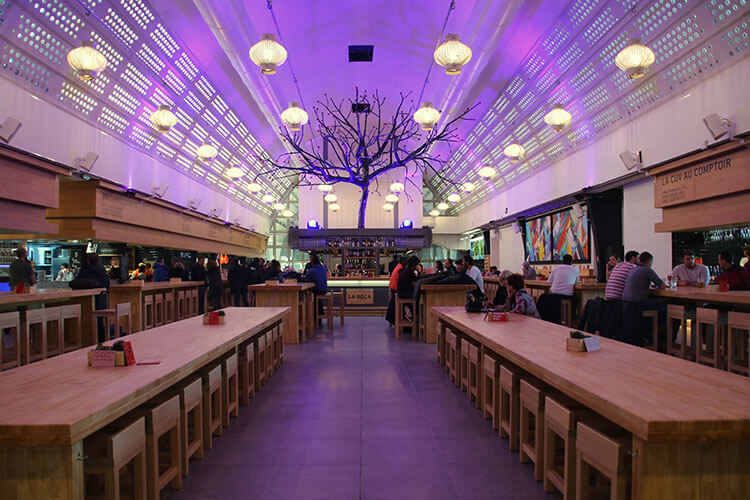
(474, 301)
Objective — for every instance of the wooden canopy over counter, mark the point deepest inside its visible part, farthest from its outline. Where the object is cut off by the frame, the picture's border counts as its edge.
(45, 295)
(102, 211)
(690, 423)
(30, 187)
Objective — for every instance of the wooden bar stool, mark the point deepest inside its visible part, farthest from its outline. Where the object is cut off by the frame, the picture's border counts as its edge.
(147, 311)
(531, 421)
(509, 401)
(475, 376)
(182, 305)
(652, 341)
(123, 311)
(342, 303)
(302, 322)
(190, 392)
(163, 463)
(247, 372)
(738, 340)
(212, 404)
(561, 414)
(170, 307)
(261, 364)
(452, 358)
(402, 321)
(676, 332)
(34, 336)
(71, 325)
(709, 345)
(159, 316)
(110, 450)
(10, 340)
(55, 331)
(229, 388)
(280, 342)
(441, 344)
(602, 449)
(566, 312)
(463, 361)
(490, 389)
(276, 337)
(192, 295)
(310, 300)
(327, 301)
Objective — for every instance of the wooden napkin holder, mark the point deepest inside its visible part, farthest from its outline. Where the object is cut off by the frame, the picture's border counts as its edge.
(119, 357)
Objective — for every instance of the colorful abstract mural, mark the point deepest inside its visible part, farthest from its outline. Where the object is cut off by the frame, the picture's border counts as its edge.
(570, 235)
(538, 241)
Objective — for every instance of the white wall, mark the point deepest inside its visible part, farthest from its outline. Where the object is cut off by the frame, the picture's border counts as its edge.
(53, 133)
(509, 249)
(638, 218)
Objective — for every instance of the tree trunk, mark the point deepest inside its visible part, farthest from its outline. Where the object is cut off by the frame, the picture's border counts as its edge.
(363, 206)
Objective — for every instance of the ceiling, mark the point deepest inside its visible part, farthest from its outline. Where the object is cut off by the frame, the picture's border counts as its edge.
(526, 55)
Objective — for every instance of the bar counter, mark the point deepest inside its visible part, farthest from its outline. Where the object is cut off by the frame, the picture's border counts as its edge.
(690, 423)
(135, 291)
(298, 297)
(374, 300)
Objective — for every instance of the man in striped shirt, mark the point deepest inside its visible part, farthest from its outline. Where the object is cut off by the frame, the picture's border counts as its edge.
(619, 275)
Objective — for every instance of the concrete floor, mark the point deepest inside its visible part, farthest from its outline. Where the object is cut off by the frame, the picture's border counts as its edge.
(353, 414)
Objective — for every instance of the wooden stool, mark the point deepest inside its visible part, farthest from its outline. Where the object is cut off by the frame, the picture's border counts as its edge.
(229, 388)
(123, 311)
(441, 344)
(212, 404)
(531, 421)
(163, 468)
(247, 372)
(34, 336)
(109, 450)
(71, 325)
(190, 391)
(600, 448)
(463, 365)
(275, 337)
(147, 311)
(10, 355)
(561, 414)
(170, 309)
(302, 315)
(490, 390)
(55, 331)
(677, 340)
(327, 301)
(401, 320)
(261, 364)
(738, 339)
(452, 357)
(709, 346)
(270, 353)
(342, 303)
(192, 298)
(475, 376)
(508, 405)
(566, 312)
(182, 305)
(652, 315)
(280, 342)
(159, 316)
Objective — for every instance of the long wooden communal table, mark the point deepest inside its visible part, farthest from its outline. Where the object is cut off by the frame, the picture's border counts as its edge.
(135, 291)
(10, 301)
(291, 295)
(739, 299)
(583, 291)
(438, 295)
(49, 407)
(690, 423)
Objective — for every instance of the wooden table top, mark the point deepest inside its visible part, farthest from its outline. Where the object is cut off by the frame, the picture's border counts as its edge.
(547, 284)
(61, 400)
(705, 295)
(654, 396)
(446, 288)
(12, 298)
(281, 286)
(154, 285)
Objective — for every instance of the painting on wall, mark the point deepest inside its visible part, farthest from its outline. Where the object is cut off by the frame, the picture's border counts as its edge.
(570, 235)
(538, 241)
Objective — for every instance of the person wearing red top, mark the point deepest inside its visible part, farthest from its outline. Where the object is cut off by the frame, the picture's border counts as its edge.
(390, 314)
(736, 277)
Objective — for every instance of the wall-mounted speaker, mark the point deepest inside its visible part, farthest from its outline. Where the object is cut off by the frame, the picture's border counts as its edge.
(516, 227)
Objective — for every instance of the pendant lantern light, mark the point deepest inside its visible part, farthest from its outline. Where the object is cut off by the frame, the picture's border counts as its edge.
(391, 198)
(278, 206)
(294, 116)
(235, 173)
(514, 151)
(427, 116)
(452, 54)
(331, 198)
(397, 187)
(268, 54)
(254, 187)
(468, 187)
(635, 59)
(434, 212)
(287, 213)
(86, 61)
(334, 207)
(267, 198)
(487, 172)
(207, 151)
(163, 119)
(388, 207)
(325, 188)
(558, 118)
(454, 198)
(443, 206)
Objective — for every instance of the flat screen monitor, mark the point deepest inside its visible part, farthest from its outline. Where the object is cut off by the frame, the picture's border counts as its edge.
(477, 248)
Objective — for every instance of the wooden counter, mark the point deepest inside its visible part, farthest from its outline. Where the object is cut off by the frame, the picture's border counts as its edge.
(438, 295)
(49, 407)
(690, 423)
(292, 295)
(738, 298)
(136, 290)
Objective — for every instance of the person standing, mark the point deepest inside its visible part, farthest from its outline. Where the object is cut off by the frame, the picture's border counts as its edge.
(64, 274)
(689, 273)
(92, 270)
(392, 264)
(529, 273)
(161, 273)
(21, 270)
(407, 277)
(237, 282)
(390, 314)
(215, 284)
(198, 273)
(473, 272)
(318, 274)
(619, 275)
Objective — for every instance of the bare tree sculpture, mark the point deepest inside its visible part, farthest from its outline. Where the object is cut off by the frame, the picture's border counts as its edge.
(357, 147)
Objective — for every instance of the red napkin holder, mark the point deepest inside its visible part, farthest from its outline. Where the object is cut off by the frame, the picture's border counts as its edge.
(497, 316)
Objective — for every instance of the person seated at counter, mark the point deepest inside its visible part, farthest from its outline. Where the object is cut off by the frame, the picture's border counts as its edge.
(161, 273)
(393, 263)
(689, 273)
(745, 261)
(529, 273)
(519, 301)
(215, 284)
(733, 275)
(564, 277)
(473, 272)
(390, 314)
(64, 274)
(619, 275)
(237, 282)
(274, 271)
(94, 272)
(407, 278)
(494, 271)
(501, 296)
(439, 267)
(318, 274)
(611, 264)
(639, 282)
(140, 273)
(149, 273)
(254, 272)
(21, 270)
(449, 267)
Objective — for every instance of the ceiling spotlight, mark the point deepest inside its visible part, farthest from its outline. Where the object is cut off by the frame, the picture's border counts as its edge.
(334, 207)
(267, 198)
(278, 206)
(427, 116)
(454, 198)
(235, 173)
(468, 187)
(388, 207)
(487, 172)
(452, 54)
(331, 198)
(287, 214)
(254, 187)
(397, 187)
(163, 119)
(294, 116)
(434, 212)
(719, 126)
(325, 188)
(268, 54)
(632, 159)
(207, 152)
(391, 198)
(86, 61)
(407, 224)
(443, 206)
(514, 151)
(557, 118)
(635, 59)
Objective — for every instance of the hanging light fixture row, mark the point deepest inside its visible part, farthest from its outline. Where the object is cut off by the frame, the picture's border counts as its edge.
(86, 61)
(207, 151)
(294, 116)
(391, 198)
(434, 212)
(235, 173)
(287, 213)
(452, 54)
(427, 116)
(254, 187)
(397, 186)
(325, 188)
(268, 54)
(487, 172)
(443, 206)
(334, 207)
(468, 187)
(454, 198)
(635, 59)
(330, 198)
(278, 206)
(558, 118)
(388, 207)
(267, 198)
(163, 119)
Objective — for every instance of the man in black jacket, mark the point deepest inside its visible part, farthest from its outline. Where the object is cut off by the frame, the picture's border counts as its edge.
(198, 273)
(92, 270)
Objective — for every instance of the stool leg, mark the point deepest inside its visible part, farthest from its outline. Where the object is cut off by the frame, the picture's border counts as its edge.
(112, 483)
(175, 451)
(139, 481)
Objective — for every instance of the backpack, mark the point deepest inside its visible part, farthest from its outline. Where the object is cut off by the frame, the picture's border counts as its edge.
(474, 301)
